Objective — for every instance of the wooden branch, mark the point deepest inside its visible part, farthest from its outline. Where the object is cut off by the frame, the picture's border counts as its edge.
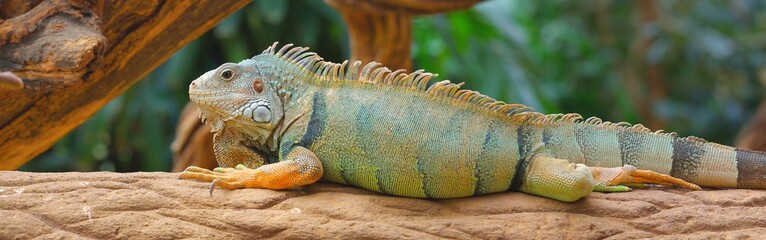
(384, 38)
(75, 56)
(644, 79)
(751, 135)
(193, 145)
(381, 30)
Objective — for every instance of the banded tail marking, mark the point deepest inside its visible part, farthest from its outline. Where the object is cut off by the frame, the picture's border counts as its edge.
(751, 166)
(687, 154)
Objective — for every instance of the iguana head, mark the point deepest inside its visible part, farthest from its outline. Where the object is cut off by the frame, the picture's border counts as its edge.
(237, 95)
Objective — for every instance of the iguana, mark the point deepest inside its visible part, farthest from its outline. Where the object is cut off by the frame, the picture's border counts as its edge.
(286, 118)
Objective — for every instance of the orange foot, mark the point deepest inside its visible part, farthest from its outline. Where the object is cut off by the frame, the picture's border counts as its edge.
(302, 168)
(619, 178)
(228, 178)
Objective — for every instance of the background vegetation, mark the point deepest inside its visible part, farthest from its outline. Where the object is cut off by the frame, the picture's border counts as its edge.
(694, 67)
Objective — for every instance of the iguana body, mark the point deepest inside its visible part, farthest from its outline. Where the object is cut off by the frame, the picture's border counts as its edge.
(388, 132)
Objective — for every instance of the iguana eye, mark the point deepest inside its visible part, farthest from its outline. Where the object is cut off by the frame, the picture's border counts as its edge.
(258, 85)
(227, 74)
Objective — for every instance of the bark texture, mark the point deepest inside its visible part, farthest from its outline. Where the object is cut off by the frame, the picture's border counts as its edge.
(74, 56)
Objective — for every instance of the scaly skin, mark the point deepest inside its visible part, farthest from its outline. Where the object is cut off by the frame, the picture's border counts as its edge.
(388, 132)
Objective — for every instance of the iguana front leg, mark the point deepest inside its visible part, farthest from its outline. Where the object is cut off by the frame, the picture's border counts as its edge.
(300, 167)
(561, 180)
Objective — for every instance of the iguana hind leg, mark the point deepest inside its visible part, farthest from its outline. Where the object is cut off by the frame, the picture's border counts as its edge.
(556, 178)
(561, 180)
(300, 168)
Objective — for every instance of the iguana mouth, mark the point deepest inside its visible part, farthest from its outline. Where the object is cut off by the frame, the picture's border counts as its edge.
(212, 118)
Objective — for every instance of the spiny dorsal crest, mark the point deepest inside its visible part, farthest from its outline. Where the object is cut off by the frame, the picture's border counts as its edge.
(376, 73)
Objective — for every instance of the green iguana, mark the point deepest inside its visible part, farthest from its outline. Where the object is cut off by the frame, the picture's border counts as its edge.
(286, 118)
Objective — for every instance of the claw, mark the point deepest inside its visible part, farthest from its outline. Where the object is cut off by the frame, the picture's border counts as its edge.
(212, 185)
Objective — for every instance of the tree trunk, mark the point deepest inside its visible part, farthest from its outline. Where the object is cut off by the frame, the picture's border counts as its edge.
(751, 136)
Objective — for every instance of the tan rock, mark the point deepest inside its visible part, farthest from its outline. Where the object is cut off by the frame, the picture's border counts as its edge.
(106, 205)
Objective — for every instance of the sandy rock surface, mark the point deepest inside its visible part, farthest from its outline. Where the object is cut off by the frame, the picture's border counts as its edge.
(105, 205)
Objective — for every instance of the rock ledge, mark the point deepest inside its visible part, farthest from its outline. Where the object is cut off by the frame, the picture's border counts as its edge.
(105, 205)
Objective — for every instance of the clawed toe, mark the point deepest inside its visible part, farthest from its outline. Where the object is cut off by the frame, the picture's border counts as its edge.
(618, 179)
(229, 178)
(197, 169)
(223, 170)
(201, 174)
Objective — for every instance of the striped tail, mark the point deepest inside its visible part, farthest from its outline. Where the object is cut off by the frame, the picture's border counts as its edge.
(692, 159)
(751, 169)
(714, 165)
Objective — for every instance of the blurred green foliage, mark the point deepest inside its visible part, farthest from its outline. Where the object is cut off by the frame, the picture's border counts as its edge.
(700, 63)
